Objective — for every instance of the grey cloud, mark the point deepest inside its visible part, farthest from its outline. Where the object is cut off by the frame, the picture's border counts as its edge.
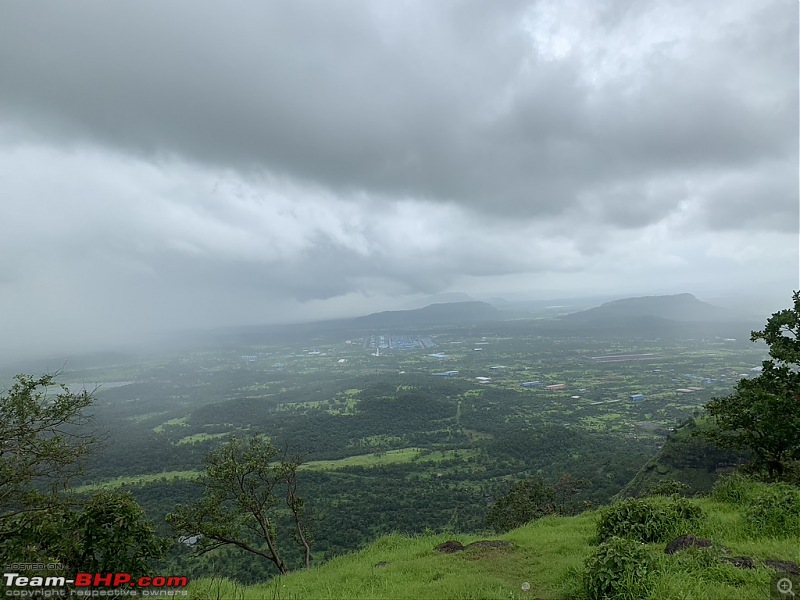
(192, 164)
(437, 101)
(767, 199)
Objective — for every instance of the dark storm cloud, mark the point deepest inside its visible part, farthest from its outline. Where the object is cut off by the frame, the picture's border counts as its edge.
(332, 93)
(446, 101)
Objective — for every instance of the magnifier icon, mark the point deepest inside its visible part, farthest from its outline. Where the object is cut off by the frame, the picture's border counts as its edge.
(784, 586)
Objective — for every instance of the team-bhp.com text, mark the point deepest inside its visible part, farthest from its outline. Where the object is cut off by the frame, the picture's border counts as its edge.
(86, 584)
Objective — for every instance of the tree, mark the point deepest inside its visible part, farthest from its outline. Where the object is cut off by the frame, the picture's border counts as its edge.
(763, 413)
(527, 500)
(532, 499)
(107, 533)
(42, 443)
(244, 485)
(112, 534)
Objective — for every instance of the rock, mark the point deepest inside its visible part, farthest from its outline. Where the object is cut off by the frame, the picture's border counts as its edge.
(450, 546)
(490, 544)
(686, 541)
(381, 564)
(784, 566)
(743, 562)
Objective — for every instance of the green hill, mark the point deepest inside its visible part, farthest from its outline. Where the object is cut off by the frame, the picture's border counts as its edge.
(677, 307)
(750, 525)
(433, 314)
(686, 459)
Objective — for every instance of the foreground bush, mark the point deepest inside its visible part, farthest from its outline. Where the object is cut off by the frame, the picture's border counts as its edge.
(648, 520)
(618, 569)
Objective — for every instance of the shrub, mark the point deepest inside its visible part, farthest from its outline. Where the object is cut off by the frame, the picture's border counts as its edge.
(775, 511)
(648, 520)
(528, 500)
(733, 488)
(619, 569)
(668, 487)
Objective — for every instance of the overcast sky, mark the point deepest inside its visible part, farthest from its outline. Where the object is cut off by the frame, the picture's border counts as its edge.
(195, 164)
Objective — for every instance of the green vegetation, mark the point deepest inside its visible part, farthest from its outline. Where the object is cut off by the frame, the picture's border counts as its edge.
(243, 487)
(648, 520)
(763, 414)
(197, 438)
(181, 422)
(533, 499)
(41, 441)
(136, 480)
(619, 568)
(403, 444)
(109, 534)
(401, 455)
(42, 444)
(687, 460)
(557, 557)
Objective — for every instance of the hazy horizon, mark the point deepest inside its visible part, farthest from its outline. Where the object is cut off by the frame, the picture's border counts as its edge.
(58, 356)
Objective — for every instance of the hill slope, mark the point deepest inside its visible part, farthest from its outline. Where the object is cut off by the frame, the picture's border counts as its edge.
(678, 307)
(686, 459)
(433, 314)
(545, 561)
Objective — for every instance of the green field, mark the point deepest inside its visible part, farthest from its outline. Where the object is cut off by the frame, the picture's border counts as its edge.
(136, 480)
(196, 438)
(401, 455)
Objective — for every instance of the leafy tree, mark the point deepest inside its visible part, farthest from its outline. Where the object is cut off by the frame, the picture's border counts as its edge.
(527, 500)
(763, 414)
(108, 532)
(782, 335)
(42, 443)
(533, 499)
(111, 533)
(244, 486)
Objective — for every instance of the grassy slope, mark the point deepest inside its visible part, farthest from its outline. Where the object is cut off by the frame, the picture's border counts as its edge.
(548, 555)
(686, 459)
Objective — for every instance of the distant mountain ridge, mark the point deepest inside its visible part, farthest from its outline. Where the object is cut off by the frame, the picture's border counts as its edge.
(677, 307)
(433, 314)
(443, 298)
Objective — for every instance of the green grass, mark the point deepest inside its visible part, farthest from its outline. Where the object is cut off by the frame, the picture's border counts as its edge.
(376, 441)
(288, 406)
(134, 480)
(442, 455)
(547, 557)
(196, 438)
(145, 416)
(365, 460)
(388, 457)
(171, 423)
